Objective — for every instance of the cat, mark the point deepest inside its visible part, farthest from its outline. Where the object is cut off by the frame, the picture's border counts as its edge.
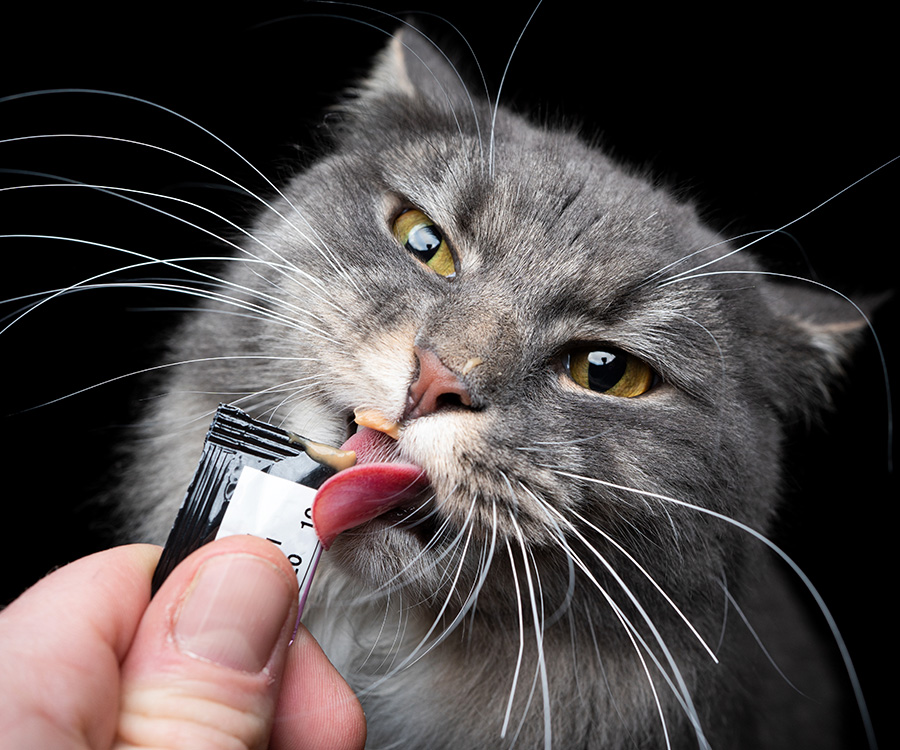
(531, 598)
(564, 565)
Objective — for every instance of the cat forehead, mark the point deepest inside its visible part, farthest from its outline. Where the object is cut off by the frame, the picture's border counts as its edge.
(547, 203)
(535, 216)
(529, 166)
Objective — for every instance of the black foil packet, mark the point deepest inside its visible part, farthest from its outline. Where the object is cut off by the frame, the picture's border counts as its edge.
(236, 441)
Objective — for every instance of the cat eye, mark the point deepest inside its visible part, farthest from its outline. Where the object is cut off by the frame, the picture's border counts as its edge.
(611, 371)
(424, 241)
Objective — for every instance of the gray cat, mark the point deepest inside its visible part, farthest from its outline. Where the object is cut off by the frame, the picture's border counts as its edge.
(598, 389)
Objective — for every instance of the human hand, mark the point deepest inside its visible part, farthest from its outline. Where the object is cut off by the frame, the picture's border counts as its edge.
(89, 662)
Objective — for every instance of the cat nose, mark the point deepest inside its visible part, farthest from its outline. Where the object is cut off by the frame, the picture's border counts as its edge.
(435, 387)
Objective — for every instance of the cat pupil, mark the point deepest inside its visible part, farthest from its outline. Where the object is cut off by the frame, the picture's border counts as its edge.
(605, 369)
(424, 240)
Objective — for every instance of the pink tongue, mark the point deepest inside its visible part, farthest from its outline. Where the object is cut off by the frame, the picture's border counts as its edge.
(364, 491)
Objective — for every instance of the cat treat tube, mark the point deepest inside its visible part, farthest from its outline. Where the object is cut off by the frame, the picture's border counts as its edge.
(254, 478)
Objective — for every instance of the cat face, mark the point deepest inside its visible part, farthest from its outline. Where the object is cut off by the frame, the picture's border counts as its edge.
(538, 277)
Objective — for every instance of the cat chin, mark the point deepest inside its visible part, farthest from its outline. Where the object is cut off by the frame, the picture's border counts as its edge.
(386, 554)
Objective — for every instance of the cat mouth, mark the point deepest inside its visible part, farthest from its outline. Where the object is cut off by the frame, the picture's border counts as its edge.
(377, 487)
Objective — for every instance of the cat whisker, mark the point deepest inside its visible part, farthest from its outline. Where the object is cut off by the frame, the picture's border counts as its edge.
(761, 234)
(241, 397)
(804, 579)
(681, 691)
(118, 191)
(424, 647)
(540, 445)
(295, 390)
(265, 401)
(485, 561)
(566, 603)
(634, 562)
(254, 312)
(288, 270)
(641, 647)
(156, 368)
(249, 401)
(520, 655)
(396, 582)
(88, 283)
(537, 618)
(496, 108)
(762, 646)
(388, 653)
(538, 632)
(868, 323)
(320, 247)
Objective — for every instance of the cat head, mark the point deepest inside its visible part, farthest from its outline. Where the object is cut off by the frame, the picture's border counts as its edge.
(583, 371)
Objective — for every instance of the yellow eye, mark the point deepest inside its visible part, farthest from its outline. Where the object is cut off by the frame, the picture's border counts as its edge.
(611, 371)
(424, 241)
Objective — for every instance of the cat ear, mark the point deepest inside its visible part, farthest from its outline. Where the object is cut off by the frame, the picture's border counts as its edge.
(412, 67)
(820, 333)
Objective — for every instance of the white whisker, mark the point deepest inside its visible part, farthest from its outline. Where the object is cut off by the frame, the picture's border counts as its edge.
(424, 647)
(155, 368)
(638, 643)
(518, 667)
(832, 290)
(541, 667)
(320, 247)
(285, 268)
(762, 646)
(634, 562)
(808, 584)
(500, 89)
(769, 233)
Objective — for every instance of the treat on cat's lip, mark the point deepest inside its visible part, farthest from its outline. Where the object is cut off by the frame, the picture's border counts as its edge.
(371, 488)
(327, 455)
(377, 421)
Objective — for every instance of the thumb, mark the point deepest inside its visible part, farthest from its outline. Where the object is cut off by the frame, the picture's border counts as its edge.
(205, 667)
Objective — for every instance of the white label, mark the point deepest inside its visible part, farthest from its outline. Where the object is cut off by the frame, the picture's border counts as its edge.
(278, 510)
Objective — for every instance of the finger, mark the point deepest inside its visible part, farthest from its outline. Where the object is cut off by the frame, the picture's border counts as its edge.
(61, 643)
(317, 710)
(206, 663)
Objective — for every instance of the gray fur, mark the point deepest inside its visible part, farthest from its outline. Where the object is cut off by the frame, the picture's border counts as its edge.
(557, 245)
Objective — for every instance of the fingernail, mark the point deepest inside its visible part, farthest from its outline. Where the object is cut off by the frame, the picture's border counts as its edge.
(235, 612)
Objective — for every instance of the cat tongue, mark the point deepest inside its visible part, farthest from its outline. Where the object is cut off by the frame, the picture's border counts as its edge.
(367, 490)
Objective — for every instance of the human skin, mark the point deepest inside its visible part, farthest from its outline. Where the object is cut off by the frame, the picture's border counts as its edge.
(89, 661)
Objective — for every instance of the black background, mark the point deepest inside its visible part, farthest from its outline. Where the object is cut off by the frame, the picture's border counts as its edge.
(759, 116)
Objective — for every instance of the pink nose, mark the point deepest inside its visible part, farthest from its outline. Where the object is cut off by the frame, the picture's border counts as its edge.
(435, 386)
